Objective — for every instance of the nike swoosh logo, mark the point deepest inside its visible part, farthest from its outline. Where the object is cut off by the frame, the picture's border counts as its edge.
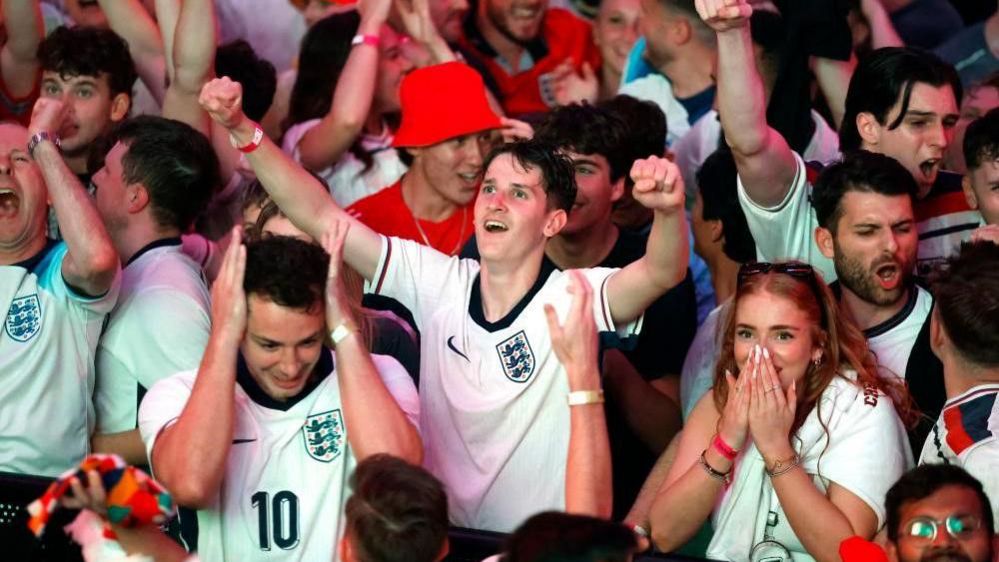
(238, 441)
(450, 345)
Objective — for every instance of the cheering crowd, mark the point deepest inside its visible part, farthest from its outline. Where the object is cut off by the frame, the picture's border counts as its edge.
(343, 275)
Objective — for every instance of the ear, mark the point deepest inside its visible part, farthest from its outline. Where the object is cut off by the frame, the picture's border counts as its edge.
(824, 240)
(555, 223)
(681, 31)
(717, 230)
(136, 198)
(120, 106)
(868, 128)
(445, 550)
(938, 336)
(892, 551)
(617, 189)
(969, 194)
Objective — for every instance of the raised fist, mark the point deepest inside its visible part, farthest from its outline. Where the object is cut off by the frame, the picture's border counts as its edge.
(658, 184)
(223, 100)
(723, 15)
(48, 116)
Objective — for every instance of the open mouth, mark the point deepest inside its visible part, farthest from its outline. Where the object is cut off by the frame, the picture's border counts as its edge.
(929, 168)
(889, 275)
(88, 3)
(495, 226)
(9, 203)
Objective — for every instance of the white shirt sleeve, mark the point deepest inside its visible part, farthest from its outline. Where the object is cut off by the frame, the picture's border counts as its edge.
(53, 278)
(981, 461)
(787, 230)
(698, 373)
(161, 407)
(400, 385)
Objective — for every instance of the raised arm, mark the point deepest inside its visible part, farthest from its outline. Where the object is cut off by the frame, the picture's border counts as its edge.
(91, 262)
(323, 145)
(18, 58)
(658, 186)
(189, 456)
(193, 63)
(299, 195)
(377, 423)
(765, 162)
(833, 78)
(883, 33)
(130, 20)
(588, 467)
(414, 15)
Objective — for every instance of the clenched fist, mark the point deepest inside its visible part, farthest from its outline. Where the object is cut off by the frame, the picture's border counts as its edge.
(223, 100)
(658, 184)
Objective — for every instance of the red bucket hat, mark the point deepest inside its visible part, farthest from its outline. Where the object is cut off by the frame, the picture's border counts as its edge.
(441, 102)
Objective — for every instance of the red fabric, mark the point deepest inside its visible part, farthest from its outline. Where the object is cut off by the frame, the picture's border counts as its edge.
(856, 549)
(18, 109)
(386, 212)
(566, 37)
(957, 438)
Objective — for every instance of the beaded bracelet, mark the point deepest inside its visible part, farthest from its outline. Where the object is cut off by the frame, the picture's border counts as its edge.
(724, 477)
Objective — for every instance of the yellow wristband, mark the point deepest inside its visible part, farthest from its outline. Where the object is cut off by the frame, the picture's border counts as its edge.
(583, 397)
(341, 332)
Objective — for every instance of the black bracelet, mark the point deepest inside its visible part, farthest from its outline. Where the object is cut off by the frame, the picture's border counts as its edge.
(724, 477)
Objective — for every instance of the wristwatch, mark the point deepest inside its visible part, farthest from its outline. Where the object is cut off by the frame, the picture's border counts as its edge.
(39, 137)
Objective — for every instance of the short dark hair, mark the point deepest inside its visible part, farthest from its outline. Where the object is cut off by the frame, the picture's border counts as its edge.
(89, 51)
(885, 77)
(238, 61)
(286, 271)
(924, 481)
(644, 128)
(966, 298)
(553, 536)
(557, 174)
(323, 55)
(716, 181)
(587, 129)
(860, 171)
(397, 513)
(981, 140)
(175, 163)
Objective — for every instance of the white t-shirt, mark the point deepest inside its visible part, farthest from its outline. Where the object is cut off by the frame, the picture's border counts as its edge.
(691, 150)
(347, 179)
(274, 28)
(494, 414)
(698, 373)
(285, 486)
(159, 327)
(967, 435)
(47, 345)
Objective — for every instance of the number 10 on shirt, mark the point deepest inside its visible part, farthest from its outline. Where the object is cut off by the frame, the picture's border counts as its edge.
(277, 519)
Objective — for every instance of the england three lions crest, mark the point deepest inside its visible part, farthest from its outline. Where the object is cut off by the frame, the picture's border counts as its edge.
(517, 358)
(24, 318)
(324, 435)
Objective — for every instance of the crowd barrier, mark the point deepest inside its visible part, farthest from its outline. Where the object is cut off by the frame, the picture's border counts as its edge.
(18, 544)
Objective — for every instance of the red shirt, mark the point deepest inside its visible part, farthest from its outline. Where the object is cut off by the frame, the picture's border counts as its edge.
(563, 36)
(386, 213)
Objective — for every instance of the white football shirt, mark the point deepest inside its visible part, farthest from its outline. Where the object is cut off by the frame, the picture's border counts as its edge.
(494, 414)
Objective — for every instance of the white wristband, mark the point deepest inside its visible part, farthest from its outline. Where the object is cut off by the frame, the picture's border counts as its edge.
(341, 332)
(583, 397)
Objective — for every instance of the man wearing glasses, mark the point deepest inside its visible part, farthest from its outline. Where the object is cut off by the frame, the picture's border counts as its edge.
(939, 513)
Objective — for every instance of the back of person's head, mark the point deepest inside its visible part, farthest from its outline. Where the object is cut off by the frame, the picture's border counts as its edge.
(859, 171)
(286, 271)
(688, 9)
(89, 51)
(557, 175)
(560, 537)
(981, 140)
(769, 34)
(966, 302)
(397, 513)
(324, 53)
(644, 128)
(238, 61)
(716, 182)
(885, 77)
(174, 162)
(924, 481)
(587, 129)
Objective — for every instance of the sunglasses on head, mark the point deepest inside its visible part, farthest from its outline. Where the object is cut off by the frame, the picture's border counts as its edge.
(792, 268)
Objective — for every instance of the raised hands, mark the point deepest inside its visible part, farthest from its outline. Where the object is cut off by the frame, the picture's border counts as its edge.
(415, 17)
(723, 15)
(658, 184)
(48, 116)
(228, 297)
(771, 408)
(223, 100)
(575, 341)
(570, 86)
(373, 12)
(338, 307)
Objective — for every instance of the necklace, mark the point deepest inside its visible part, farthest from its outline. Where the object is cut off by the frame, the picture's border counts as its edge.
(461, 233)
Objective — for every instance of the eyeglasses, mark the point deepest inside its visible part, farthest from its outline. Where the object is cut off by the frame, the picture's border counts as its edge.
(792, 268)
(961, 527)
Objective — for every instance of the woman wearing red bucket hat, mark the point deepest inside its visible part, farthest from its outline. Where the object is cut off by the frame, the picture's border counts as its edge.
(446, 125)
(508, 427)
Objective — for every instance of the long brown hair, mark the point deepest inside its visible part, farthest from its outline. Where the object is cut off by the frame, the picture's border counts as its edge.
(844, 345)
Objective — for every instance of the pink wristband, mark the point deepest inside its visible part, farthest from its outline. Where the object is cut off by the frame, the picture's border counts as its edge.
(365, 39)
(723, 448)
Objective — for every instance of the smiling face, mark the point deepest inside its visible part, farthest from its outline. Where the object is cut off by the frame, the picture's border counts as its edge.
(919, 142)
(779, 325)
(282, 345)
(971, 546)
(981, 187)
(518, 20)
(23, 198)
(512, 215)
(616, 30)
(92, 110)
(874, 248)
(595, 194)
(453, 167)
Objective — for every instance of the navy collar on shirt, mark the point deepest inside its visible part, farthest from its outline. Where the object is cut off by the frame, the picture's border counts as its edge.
(891, 323)
(243, 377)
(475, 302)
(31, 263)
(162, 242)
